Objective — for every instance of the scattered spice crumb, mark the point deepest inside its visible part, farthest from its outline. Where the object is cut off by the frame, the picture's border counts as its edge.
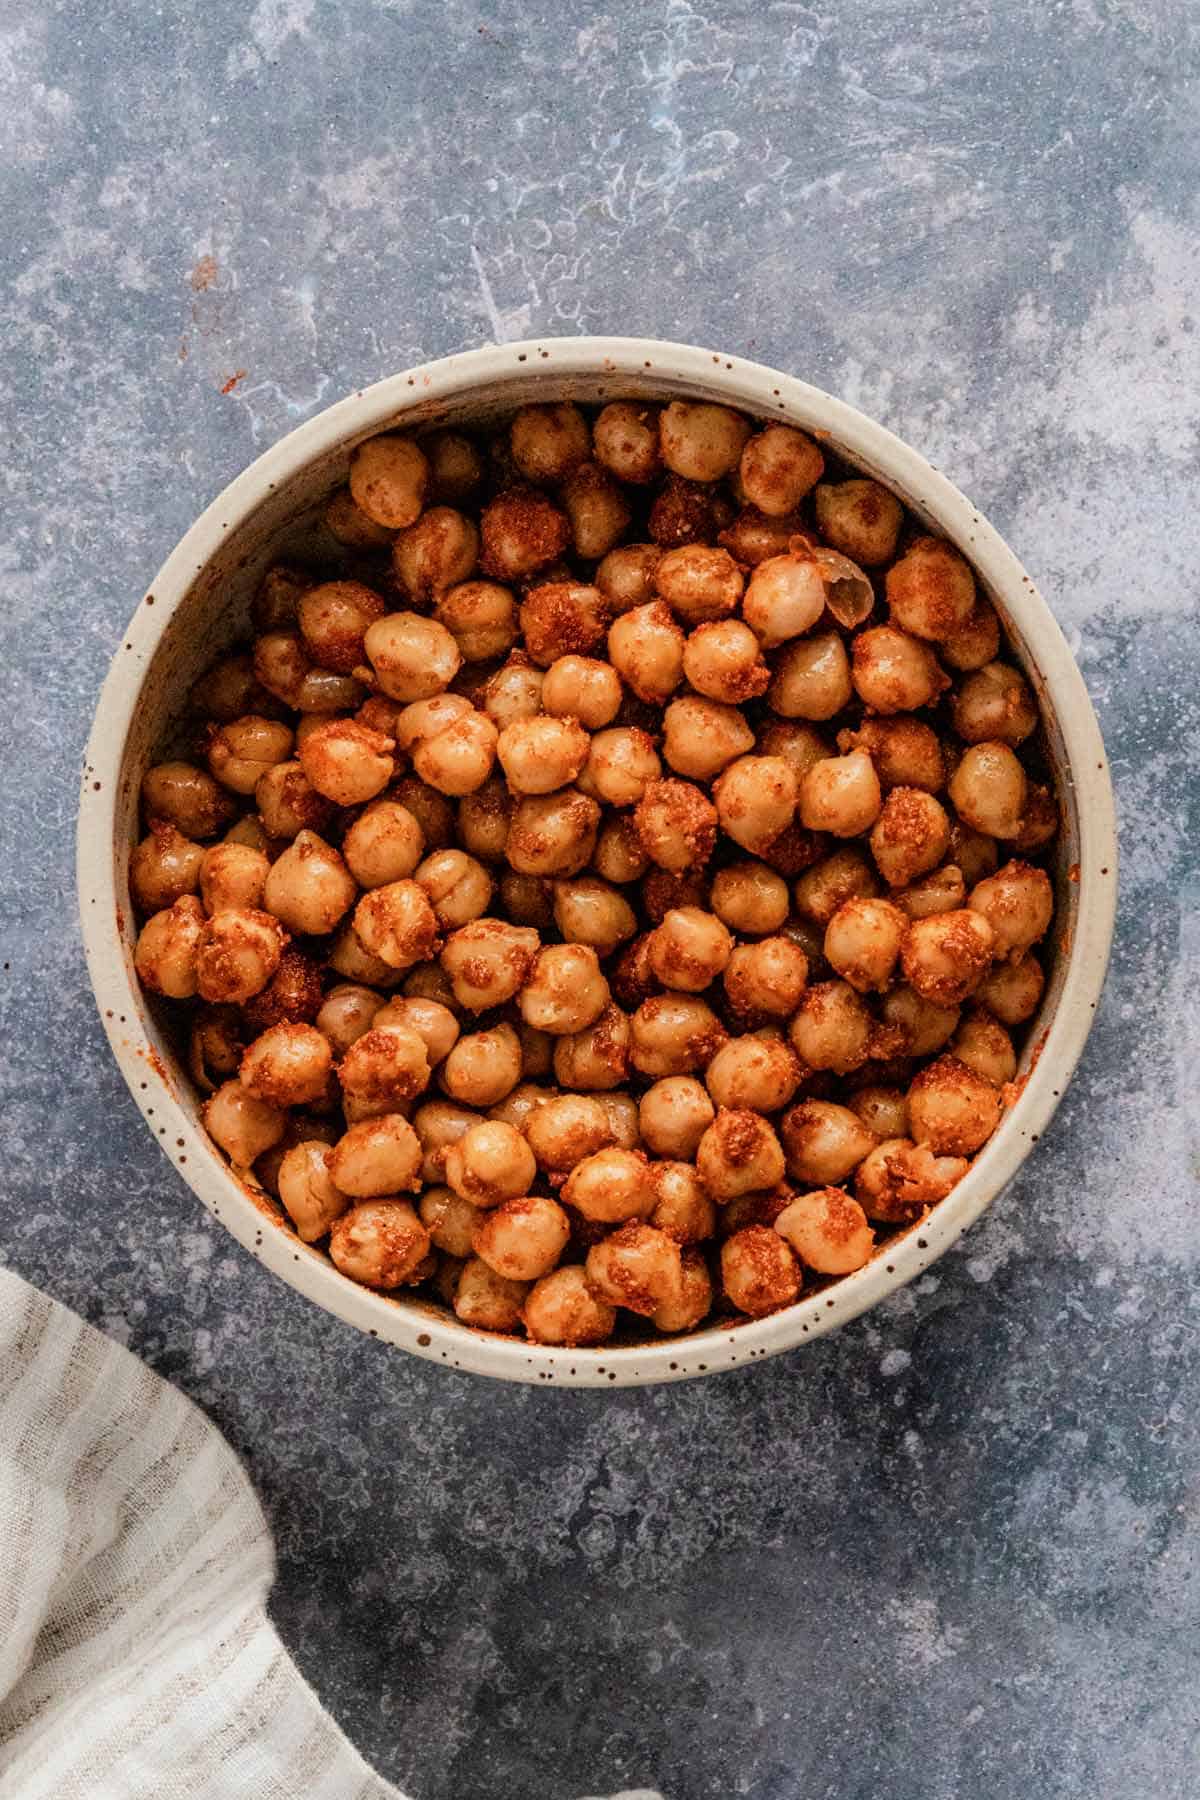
(238, 375)
(204, 274)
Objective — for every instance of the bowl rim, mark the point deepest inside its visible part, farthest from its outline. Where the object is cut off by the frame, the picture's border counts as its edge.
(429, 1332)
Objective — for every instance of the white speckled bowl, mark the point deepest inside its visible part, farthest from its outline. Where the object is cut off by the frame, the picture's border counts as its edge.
(197, 605)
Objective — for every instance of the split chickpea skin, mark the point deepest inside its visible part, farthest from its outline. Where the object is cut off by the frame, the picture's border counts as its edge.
(612, 885)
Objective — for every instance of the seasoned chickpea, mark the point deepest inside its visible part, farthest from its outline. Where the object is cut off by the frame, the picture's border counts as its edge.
(427, 981)
(346, 762)
(288, 1065)
(215, 1045)
(383, 845)
(832, 1028)
(618, 856)
(288, 803)
(689, 949)
(1011, 990)
(823, 1142)
(565, 991)
(676, 825)
(544, 753)
(377, 1156)
(946, 956)
(236, 953)
(751, 537)
(307, 1191)
(621, 762)
(537, 1051)
(767, 978)
(561, 1308)
(488, 961)
(481, 617)
(686, 512)
(692, 1303)
(637, 1267)
(859, 518)
(422, 720)
(953, 1109)
(1039, 823)
(309, 888)
(756, 800)
(397, 923)
(626, 576)
(625, 440)
(759, 1272)
(292, 995)
(413, 657)
(457, 886)
(549, 441)
(931, 590)
(597, 509)
(180, 794)
(920, 1025)
(757, 1070)
(390, 1064)
(862, 943)
(701, 441)
(167, 957)
(994, 703)
(439, 1124)
(590, 911)
(488, 1301)
(249, 831)
(1018, 903)
(975, 643)
(910, 836)
(683, 1208)
(975, 854)
(230, 690)
(894, 672)
(722, 660)
(596, 1058)
(432, 811)
(988, 790)
(350, 525)
(646, 647)
(449, 1220)
(346, 1013)
(274, 605)
(562, 618)
(812, 678)
(982, 1043)
(673, 1116)
(455, 466)
(899, 1180)
(942, 890)
(841, 795)
(563, 1130)
(821, 890)
(700, 737)
(621, 1111)
(242, 751)
(526, 900)
(738, 1154)
(883, 1110)
(611, 1185)
(674, 1034)
(583, 689)
(484, 819)
(785, 597)
(381, 1243)
(522, 531)
(483, 1066)
(906, 752)
(514, 691)
(750, 898)
(699, 582)
(779, 465)
(440, 549)
(828, 1231)
(241, 1125)
(389, 479)
(164, 867)
(458, 760)
(232, 875)
(523, 1239)
(490, 1163)
(333, 619)
(662, 890)
(433, 1022)
(282, 665)
(349, 958)
(553, 834)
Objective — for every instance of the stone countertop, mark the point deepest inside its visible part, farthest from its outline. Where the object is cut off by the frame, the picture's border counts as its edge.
(951, 1551)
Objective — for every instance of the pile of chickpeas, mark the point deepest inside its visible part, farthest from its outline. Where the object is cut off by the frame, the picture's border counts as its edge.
(607, 887)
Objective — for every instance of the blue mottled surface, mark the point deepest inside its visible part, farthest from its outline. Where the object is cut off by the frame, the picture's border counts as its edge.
(952, 1551)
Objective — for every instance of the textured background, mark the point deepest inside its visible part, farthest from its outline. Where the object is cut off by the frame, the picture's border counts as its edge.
(953, 1550)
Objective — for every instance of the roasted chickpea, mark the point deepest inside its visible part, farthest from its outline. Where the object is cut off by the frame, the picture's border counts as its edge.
(1039, 823)
(883, 1110)
(942, 890)
(698, 582)
(242, 751)
(381, 1243)
(431, 809)
(282, 665)
(862, 943)
(757, 1070)
(859, 518)
(676, 825)
(662, 891)
(274, 605)
(481, 617)
(906, 752)
(562, 618)
(701, 441)
(621, 763)
(180, 794)
(544, 753)
(526, 900)
(812, 678)
(756, 800)
(561, 1308)
(920, 1026)
(910, 836)
(383, 845)
(236, 953)
(626, 576)
(389, 479)
(413, 657)
(309, 888)
(167, 956)
(490, 1163)
(333, 619)
(457, 886)
(522, 531)
(685, 1310)
(683, 1209)
(241, 1125)
(824, 1143)
(232, 875)
(378, 1156)
(931, 590)
(596, 1058)
(249, 831)
(346, 1013)
(596, 508)
(673, 1116)
(449, 1220)
(674, 1034)
(440, 549)
(484, 819)
(1017, 902)
(893, 671)
(982, 1043)
(427, 982)
(288, 803)
(514, 692)
(841, 795)
(488, 1301)
(689, 949)
(455, 466)
(439, 1124)
(288, 1065)
(590, 911)
(307, 1192)
(1011, 990)
(618, 856)
(832, 1028)
(646, 647)
(549, 441)
(565, 992)
(433, 1022)
(637, 1267)
(767, 978)
(580, 688)
(346, 762)
(397, 923)
(385, 1066)
(553, 834)
(350, 525)
(625, 440)
(686, 512)
(952, 1108)
(786, 597)
(700, 737)
(759, 1272)
(458, 760)
(523, 1239)
(215, 1044)
(779, 466)
(164, 867)
(975, 854)
(844, 875)
(738, 1154)
(994, 703)
(563, 1130)
(350, 959)
(828, 1231)
(750, 898)
(899, 1180)
(722, 660)
(230, 690)
(975, 643)
(483, 1066)
(946, 956)
(751, 537)
(488, 961)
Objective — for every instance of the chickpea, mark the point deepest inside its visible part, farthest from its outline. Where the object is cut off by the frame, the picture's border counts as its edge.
(235, 954)
(426, 981)
(1017, 903)
(455, 466)
(544, 753)
(413, 657)
(565, 991)
(625, 439)
(821, 890)
(249, 831)
(662, 891)
(590, 911)
(683, 1209)
(553, 834)
(167, 954)
(561, 1308)
(346, 762)
(910, 836)
(514, 692)
(942, 890)
(975, 854)
(488, 961)
(292, 996)
(481, 617)
(1011, 990)
(757, 1070)
(700, 441)
(439, 1124)
(596, 508)
(906, 752)
(484, 820)
(685, 1310)
(862, 943)
(549, 441)
(977, 642)
(673, 1116)
(180, 794)
(346, 1014)
(350, 525)
(397, 923)
(1039, 824)
(859, 518)
(699, 582)
(946, 956)
(288, 1065)
(786, 597)
(832, 1028)
(841, 795)
(307, 1191)
(994, 704)
(240, 752)
(522, 532)
(686, 512)
(637, 1267)
(230, 690)
(523, 1239)
(812, 678)
(488, 1301)
(618, 856)
(241, 1125)
(273, 607)
(722, 660)
(689, 949)
(646, 648)
(350, 959)
(439, 550)
(383, 845)
(779, 466)
(751, 1209)
(894, 672)
(750, 898)
(309, 887)
(899, 1180)
(433, 1022)
(676, 825)
(828, 1231)
(458, 760)
(767, 978)
(751, 537)
(215, 1045)
(953, 1109)
(564, 1130)
(281, 664)
(526, 900)
(423, 720)
(232, 875)
(824, 1142)
(288, 803)
(759, 1271)
(626, 576)
(389, 479)
(387, 1064)
(702, 736)
(883, 1111)
(483, 1066)
(982, 1043)
(333, 620)
(931, 590)
(674, 1034)
(738, 1154)
(621, 1111)
(457, 887)
(449, 1220)
(381, 1243)
(537, 1051)
(431, 809)
(621, 763)
(562, 618)
(921, 1026)
(583, 689)
(164, 867)
(489, 1164)
(756, 800)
